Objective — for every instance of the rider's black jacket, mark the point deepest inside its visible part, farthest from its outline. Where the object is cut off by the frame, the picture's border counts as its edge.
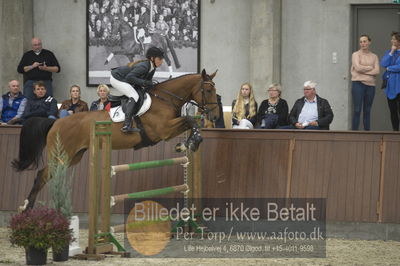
(137, 75)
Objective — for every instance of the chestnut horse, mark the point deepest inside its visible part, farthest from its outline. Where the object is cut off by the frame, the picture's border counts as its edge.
(161, 122)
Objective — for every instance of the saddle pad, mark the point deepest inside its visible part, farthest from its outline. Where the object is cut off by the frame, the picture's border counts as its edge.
(117, 115)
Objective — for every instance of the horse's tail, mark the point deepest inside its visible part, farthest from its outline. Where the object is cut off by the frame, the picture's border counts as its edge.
(32, 142)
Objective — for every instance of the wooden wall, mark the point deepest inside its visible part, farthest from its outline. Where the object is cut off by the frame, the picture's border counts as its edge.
(15, 187)
(357, 172)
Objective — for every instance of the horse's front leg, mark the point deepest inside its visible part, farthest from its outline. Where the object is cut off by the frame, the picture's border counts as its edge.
(194, 138)
(177, 126)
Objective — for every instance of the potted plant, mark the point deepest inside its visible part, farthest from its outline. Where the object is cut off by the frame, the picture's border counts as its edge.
(60, 190)
(37, 230)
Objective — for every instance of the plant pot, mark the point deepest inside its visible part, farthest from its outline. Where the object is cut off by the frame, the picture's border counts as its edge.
(62, 255)
(35, 256)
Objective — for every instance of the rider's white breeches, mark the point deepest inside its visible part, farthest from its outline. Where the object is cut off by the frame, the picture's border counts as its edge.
(124, 88)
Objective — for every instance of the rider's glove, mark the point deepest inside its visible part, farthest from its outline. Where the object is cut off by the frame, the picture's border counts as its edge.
(148, 84)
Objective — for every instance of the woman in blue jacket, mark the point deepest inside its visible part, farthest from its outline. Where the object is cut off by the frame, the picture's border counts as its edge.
(391, 62)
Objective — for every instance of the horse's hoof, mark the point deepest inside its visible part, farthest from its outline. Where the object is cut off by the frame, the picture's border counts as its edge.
(192, 146)
(180, 147)
(106, 62)
(23, 208)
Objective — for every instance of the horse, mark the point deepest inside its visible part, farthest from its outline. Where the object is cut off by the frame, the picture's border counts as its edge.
(128, 43)
(130, 46)
(161, 122)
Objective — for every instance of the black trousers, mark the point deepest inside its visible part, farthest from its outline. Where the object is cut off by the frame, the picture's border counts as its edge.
(394, 108)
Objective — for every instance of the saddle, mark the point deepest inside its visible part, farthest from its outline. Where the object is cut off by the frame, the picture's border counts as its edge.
(118, 105)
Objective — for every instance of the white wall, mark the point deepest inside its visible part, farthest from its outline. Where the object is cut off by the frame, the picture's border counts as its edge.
(311, 31)
(61, 26)
(225, 34)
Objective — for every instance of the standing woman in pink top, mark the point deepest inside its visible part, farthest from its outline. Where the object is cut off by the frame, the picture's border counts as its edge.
(364, 69)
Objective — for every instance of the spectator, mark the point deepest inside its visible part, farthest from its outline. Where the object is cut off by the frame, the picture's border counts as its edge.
(38, 64)
(244, 108)
(364, 68)
(12, 104)
(42, 105)
(162, 26)
(274, 111)
(174, 23)
(220, 123)
(187, 19)
(144, 18)
(102, 91)
(310, 111)
(391, 62)
(75, 104)
(98, 33)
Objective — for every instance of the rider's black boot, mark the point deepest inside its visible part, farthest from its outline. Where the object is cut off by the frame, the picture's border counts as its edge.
(130, 107)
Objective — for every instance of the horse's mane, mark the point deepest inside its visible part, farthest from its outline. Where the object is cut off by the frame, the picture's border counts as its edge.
(168, 80)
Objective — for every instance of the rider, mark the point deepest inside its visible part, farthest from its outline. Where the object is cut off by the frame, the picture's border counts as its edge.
(135, 76)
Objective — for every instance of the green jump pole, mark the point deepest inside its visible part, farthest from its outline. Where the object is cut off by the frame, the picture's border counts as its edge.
(149, 193)
(149, 164)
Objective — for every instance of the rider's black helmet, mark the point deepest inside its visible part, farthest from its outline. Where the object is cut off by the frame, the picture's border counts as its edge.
(154, 52)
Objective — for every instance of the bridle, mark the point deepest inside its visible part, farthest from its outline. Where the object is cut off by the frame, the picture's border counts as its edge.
(202, 107)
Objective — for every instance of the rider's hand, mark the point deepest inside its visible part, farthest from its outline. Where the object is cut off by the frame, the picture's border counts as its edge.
(148, 84)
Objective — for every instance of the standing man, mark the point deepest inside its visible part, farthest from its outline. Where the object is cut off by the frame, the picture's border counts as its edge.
(38, 64)
(310, 111)
(12, 104)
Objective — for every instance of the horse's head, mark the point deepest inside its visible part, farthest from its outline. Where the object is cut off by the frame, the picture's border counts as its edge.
(206, 96)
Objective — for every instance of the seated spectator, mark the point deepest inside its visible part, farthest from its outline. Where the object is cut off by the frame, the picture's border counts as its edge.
(310, 111)
(12, 104)
(102, 91)
(274, 111)
(41, 105)
(75, 104)
(244, 108)
(220, 123)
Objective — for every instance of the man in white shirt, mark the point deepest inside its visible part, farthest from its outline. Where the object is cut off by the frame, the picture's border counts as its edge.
(310, 111)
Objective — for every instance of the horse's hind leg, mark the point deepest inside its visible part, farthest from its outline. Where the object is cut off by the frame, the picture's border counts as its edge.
(40, 180)
(173, 53)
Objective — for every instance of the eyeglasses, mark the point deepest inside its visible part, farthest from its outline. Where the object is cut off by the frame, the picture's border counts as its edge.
(307, 89)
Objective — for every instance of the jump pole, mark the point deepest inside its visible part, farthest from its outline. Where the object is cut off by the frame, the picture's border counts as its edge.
(149, 193)
(150, 164)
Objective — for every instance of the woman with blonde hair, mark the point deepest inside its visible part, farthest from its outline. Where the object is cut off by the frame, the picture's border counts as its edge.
(274, 111)
(244, 108)
(102, 91)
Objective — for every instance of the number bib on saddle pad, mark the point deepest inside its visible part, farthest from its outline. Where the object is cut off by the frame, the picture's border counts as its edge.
(117, 115)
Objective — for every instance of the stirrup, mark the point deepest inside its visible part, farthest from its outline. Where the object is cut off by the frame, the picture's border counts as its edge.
(129, 130)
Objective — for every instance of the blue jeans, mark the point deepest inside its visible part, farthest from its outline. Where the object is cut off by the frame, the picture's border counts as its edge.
(64, 113)
(363, 96)
(28, 88)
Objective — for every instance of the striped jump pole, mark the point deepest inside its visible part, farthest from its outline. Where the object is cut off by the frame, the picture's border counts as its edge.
(148, 193)
(150, 164)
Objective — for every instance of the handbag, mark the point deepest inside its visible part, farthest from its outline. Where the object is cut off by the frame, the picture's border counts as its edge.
(270, 121)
